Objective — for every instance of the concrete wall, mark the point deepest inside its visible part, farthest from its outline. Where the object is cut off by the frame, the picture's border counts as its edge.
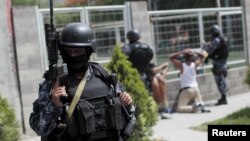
(140, 19)
(29, 57)
(208, 88)
(8, 71)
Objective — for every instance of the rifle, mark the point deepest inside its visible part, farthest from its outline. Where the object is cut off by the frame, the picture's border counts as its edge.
(52, 42)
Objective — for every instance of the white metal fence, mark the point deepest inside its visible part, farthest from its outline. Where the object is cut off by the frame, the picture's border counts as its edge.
(110, 27)
(107, 22)
(172, 30)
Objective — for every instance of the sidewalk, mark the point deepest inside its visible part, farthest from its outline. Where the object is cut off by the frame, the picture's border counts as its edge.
(177, 129)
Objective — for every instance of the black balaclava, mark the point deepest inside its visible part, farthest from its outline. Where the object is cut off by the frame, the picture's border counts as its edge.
(77, 64)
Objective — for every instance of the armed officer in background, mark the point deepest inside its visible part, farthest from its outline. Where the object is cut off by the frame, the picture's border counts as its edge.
(141, 55)
(218, 52)
(104, 108)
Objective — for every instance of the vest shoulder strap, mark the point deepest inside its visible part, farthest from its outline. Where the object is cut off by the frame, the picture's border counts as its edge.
(99, 70)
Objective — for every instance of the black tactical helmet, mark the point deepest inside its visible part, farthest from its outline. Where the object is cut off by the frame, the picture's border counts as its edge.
(215, 30)
(78, 35)
(133, 35)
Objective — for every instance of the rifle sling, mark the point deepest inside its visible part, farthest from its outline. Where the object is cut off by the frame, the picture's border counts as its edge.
(72, 106)
(76, 97)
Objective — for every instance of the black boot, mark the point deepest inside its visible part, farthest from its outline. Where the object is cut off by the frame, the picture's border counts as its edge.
(221, 101)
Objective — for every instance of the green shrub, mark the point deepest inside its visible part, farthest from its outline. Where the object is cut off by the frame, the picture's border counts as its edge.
(146, 108)
(8, 123)
(24, 2)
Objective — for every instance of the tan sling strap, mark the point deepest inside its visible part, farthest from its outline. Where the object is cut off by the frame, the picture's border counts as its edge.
(76, 97)
(72, 106)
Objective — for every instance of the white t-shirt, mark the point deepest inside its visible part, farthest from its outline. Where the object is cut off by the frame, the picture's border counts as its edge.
(188, 76)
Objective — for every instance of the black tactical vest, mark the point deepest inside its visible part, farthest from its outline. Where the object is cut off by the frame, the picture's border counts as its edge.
(140, 56)
(222, 52)
(99, 114)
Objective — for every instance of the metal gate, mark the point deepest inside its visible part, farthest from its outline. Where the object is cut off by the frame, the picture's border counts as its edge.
(172, 30)
(175, 30)
(108, 23)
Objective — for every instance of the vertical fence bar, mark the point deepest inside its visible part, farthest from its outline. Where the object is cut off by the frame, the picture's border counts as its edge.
(82, 16)
(245, 34)
(201, 29)
(127, 20)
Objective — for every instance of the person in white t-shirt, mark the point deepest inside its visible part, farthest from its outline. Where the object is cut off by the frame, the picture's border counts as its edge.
(189, 99)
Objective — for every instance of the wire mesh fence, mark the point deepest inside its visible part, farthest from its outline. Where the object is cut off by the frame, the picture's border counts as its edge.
(175, 30)
(108, 24)
(106, 21)
(172, 30)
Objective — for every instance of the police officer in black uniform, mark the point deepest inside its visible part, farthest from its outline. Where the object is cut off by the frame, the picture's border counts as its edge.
(218, 51)
(104, 108)
(140, 55)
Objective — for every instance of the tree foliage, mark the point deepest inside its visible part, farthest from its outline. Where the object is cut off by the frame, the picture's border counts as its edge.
(24, 2)
(67, 3)
(183, 4)
(93, 2)
(146, 108)
(113, 2)
(8, 123)
(75, 2)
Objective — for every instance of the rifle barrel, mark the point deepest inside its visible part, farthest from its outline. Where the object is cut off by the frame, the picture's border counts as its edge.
(51, 14)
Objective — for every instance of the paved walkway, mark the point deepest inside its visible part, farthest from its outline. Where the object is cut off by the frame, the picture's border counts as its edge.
(178, 128)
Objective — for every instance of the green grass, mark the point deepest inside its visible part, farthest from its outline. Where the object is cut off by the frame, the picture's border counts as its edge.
(241, 117)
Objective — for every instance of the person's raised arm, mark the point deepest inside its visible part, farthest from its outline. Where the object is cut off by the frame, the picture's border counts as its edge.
(200, 59)
(173, 58)
(159, 68)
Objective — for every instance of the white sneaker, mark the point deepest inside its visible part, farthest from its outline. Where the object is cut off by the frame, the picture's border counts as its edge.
(166, 116)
